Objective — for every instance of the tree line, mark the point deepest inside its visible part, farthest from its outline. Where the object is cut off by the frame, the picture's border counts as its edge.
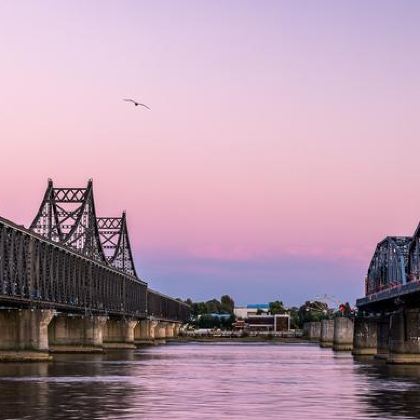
(215, 313)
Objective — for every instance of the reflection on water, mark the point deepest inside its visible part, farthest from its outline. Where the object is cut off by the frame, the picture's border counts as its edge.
(203, 381)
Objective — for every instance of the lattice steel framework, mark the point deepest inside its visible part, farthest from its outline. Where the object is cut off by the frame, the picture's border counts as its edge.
(67, 216)
(163, 307)
(115, 242)
(389, 264)
(39, 272)
(414, 257)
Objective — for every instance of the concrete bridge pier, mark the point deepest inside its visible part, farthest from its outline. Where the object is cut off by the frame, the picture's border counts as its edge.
(404, 340)
(343, 334)
(152, 329)
(177, 327)
(169, 330)
(24, 334)
(119, 333)
(160, 332)
(69, 333)
(327, 333)
(365, 340)
(382, 348)
(142, 333)
(312, 330)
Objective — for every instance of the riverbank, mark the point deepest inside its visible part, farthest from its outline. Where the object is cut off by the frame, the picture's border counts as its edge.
(253, 339)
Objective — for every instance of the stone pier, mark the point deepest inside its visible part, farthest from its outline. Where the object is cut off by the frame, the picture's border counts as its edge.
(152, 329)
(24, 334)
(404, 340)
(142, 333)
(327, 333)
(343, 334)
(177, 328)
(169, 330)
(160, 332)
(70, 333)
(119, 333)
(312, 330)
(382, 348)
(365, 340)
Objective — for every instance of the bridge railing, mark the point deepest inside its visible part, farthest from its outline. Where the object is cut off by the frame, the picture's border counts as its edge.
(164, 307)
(35, 271)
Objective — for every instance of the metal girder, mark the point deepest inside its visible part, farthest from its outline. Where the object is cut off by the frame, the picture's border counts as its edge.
(115, 242)
(389, 263)
(414, 257)
(67, 216)
(38, 272)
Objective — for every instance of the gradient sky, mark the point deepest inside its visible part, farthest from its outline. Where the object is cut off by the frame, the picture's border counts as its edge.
(282, 145)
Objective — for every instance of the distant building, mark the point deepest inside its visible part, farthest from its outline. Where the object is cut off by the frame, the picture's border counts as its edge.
(249, 310)
(247, 319)
(270, 323)
(215, 315)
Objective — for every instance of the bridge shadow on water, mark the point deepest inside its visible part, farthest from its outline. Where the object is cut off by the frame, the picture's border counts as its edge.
(389, 390)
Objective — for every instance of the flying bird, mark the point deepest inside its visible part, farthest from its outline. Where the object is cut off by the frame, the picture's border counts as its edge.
(136, 103)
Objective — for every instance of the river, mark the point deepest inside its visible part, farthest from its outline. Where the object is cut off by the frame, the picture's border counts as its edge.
(210, 381)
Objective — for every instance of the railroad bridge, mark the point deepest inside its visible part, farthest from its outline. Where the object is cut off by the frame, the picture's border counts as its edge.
(69, 283)
(388, 321)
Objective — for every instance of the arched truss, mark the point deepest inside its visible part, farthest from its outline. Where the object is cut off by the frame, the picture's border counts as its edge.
(115, 242)
(389, 264)
(414, 257)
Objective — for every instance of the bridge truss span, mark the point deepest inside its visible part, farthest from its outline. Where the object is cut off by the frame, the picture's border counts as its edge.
(388, 267)
(35, 271)
(68, 216)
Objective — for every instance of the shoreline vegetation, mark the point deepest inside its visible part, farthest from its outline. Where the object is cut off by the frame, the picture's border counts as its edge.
(223, 317)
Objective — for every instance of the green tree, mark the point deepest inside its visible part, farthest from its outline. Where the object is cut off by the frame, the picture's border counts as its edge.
(313, 311)
(227, 304)
(277, 307)
(213, 306)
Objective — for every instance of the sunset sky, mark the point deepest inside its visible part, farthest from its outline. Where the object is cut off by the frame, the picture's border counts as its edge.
(282, 145)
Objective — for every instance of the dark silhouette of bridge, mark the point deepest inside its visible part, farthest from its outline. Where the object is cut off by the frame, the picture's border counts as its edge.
(388, 322)
(72, 263)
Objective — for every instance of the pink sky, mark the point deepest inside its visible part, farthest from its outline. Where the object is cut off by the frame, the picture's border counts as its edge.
(282, 144)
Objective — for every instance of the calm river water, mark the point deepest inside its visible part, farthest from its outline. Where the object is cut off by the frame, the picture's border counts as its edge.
(210, 381)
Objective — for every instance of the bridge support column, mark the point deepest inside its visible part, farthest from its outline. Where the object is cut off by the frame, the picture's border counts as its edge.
(160, 331)
(142, 332)
(365, 340)
(119, 333)
(77, 333)
(343, 334)
(327, 333)
(312, 330)
(152, 329)
(24, 334)
(404, 340)
(177, 328)
(169, 332)
(382, 348)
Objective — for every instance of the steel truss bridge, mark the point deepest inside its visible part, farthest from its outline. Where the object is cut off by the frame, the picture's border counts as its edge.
(394, 272)
(71, 260)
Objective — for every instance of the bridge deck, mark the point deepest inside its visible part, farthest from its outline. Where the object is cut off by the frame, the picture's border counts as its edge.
(38, 272)
(387, 298)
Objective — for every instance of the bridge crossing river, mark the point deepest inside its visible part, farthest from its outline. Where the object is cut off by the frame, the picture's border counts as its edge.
(69, 283)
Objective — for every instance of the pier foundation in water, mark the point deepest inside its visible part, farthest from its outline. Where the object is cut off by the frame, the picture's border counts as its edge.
(24, 334)
(343, 334)
(327, 333)
(365, 339)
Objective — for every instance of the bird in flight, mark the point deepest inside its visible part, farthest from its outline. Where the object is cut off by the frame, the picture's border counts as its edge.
(136, 103)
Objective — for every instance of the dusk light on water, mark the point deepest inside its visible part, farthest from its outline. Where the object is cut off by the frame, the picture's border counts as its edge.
(209, 209)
